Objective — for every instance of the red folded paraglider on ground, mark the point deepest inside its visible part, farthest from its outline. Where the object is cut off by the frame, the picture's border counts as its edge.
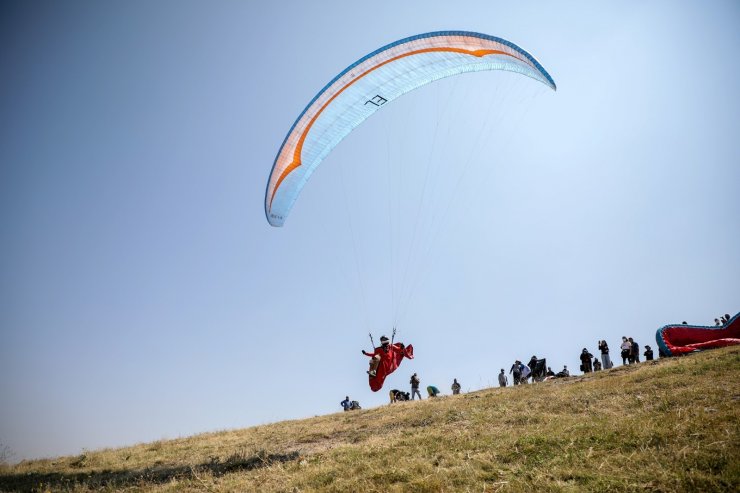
(680, 339)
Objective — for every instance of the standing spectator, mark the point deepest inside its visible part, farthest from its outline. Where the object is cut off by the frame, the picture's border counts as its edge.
(526, 371)
(415, 381)
(532, 365)
(503, 380)
(597, 364)
(606, 362)
(626, 348)
(635, 351)
(539, 371)
(455, 387)
(586, 361)
(648, 354)
(346, 404)
(516, 370)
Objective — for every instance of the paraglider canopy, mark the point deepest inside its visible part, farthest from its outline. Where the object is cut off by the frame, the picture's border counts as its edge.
(677, 340)
(369, 84)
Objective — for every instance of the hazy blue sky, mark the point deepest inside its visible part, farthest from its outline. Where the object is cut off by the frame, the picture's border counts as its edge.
(144, 296)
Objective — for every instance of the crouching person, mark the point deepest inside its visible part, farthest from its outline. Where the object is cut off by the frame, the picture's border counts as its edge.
(396, 395)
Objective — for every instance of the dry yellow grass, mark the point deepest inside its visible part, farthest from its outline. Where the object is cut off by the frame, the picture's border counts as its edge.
(670, 425)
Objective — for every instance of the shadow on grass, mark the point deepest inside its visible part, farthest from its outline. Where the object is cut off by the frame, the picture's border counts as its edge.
(155, 475)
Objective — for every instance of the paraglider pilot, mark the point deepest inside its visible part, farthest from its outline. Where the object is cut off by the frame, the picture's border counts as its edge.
(385, 360)
(385, 351)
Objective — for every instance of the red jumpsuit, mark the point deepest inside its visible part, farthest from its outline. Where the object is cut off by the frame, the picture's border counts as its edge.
(390, 359)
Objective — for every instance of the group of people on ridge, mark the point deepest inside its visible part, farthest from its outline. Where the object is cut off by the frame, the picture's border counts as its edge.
(390, 355)
(398, 395)
(630, 351)
(536, 369)
(718, 322)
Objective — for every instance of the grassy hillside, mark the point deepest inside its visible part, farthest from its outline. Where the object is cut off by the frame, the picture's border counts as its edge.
(669, 425)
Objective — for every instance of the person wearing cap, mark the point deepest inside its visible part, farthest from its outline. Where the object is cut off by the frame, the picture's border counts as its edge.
(384, 350)
(385, 359)
(648, 353)
(503, 380)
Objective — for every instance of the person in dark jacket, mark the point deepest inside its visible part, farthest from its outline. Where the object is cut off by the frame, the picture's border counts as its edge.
(597, 364)
(606, 362)
(415, 381)
(635, 353)
(456, 387)
(648, 354)
(586, 361)
(516, 370)
(532, 365)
